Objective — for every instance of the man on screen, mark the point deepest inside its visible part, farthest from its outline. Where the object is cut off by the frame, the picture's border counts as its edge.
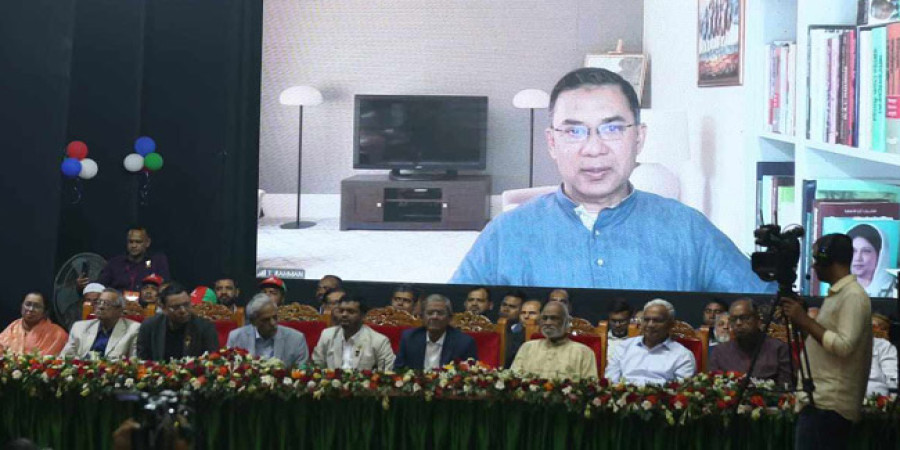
(597, 230)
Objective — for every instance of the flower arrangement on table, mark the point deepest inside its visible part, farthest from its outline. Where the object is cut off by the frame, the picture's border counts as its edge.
(233, 373)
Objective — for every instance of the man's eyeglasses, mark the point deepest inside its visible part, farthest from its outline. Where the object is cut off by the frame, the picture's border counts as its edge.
(105, 304)
(578, 134)
(619, 322)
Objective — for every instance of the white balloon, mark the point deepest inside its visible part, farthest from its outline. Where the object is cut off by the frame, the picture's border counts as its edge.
(134, 162)
(88, 169)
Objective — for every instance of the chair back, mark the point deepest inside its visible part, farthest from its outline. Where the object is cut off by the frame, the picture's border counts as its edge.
(697, 341)
(223, 318)
(132, 311)
(391, 322)
(305, 319)
(591, 337)
(490, 339)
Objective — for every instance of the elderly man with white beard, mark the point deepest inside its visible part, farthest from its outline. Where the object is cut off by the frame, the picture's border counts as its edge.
(556, 356)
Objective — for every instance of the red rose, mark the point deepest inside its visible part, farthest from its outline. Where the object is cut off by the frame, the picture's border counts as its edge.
(757, 401)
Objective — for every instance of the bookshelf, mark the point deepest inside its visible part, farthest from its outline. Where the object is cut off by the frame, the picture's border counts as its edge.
(769, 21)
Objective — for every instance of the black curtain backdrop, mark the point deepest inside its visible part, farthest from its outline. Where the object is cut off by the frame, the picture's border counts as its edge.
(35, 57)
(186, 74)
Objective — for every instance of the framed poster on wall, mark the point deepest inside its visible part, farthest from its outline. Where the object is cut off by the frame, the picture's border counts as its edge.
(631, 67)
(720, 42)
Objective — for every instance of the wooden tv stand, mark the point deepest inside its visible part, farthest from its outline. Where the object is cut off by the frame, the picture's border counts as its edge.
(375, 202)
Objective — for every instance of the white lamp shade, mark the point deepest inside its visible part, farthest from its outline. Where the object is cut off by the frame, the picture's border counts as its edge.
(300, 96)
(531, 99)
(657, 179)
(667, 138)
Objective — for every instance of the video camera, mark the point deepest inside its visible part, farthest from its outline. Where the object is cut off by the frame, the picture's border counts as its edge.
(163, 419)
(779, 261)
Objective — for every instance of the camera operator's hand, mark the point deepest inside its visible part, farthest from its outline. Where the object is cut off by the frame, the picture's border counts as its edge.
(796, 313)
(122, 435)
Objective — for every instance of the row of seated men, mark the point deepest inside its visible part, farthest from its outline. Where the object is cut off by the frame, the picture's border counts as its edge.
(651, 357)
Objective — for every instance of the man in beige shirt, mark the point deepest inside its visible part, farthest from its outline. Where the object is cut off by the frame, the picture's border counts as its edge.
(839, 345)
(556, 356)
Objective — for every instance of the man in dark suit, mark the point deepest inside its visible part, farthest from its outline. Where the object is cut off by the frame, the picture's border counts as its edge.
(437, 343)
(177, 332)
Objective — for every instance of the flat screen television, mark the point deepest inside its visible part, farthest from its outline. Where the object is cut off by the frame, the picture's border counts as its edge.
(420, 133)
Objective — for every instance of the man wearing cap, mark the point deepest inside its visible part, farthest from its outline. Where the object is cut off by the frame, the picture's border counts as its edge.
(274, 287)
(126, 272)
(150, 289)
(75, 311)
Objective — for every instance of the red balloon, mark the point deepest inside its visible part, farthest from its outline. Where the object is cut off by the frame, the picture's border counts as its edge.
(77, 149)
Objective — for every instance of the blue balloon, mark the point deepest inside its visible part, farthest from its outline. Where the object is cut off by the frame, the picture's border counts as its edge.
(71, 167)
(144, 145)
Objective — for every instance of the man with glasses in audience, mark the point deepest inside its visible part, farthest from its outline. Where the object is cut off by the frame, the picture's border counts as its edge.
(556, 356)
(437, 343)
(653, 357)
(107, 336)
(263, 337)
(619, 318)
(34, 332)
(774, 361)
(177, 332)
(597, 230)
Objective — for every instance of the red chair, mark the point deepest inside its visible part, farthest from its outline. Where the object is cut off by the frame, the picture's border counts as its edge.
(223, 318)
(311, 330)
(583, 333)
(697, 341)
(305, 319)
(392, 323)
(490, 339)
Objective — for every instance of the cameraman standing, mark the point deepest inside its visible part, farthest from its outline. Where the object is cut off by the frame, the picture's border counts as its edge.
(839, 345)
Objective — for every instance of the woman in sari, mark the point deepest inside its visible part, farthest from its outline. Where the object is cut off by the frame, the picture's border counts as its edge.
(34, 332)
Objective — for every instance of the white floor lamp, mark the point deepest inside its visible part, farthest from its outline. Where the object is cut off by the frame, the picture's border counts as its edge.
(299, 96)
(531, 99)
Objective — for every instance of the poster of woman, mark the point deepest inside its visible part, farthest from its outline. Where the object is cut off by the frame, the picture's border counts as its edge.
(875, 255)
(720, 42)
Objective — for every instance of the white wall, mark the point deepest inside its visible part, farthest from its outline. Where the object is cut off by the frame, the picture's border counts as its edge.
(453, 47)
(716, 118)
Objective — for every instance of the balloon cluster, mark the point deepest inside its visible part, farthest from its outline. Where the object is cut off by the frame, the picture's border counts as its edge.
(77, 164)
(145, 156)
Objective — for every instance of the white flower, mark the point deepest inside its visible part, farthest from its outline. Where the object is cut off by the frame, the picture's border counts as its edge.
(566, 390)
(16, 374)
(195, 383)
(646, 404)
(398, 384)
(596, 401)
(678, 405)
(743, 409)
(129, 382)
(287, 381)
(69, 379)
(416, 387)
(311, 384)
(534, 388)
(499, 385)
(45, 378)
(336, 384)
(267, 380)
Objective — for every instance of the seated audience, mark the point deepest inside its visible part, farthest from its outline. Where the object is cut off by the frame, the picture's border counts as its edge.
(265, 338)
(618, 319)
(478, 301)
(126, 272)
(437, 343)
(34, 332)
(351, 344)
(177, 332)
(560, 295)
(274, 287)
(405, 298)
(331, 299)
(556, 356)
(774, 361)
(150, 289)
(325, 283)
(710, 311)
(531, 311)
(109, 335)
(227, 292)
(721, 331)
(653, 357)
(883, 374)
(510, 309)
(75, 311)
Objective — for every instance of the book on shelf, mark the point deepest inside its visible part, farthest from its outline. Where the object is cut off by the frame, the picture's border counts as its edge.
(832, 82)
(775, 193)
(825, 198)
(781, 63)
(892, 100)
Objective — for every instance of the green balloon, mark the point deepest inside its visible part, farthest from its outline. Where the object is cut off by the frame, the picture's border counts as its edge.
(153, 162)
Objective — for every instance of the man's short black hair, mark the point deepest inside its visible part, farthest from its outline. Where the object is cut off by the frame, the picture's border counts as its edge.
(592, 76)
(486, 291)
(406, 287)
(226, 276)
(174, 288)
(136, 227)
(340, 282)
(332, 291)
(719, 302)
(838, 248)
(518, 293)
(363, 305)
(620, 305)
